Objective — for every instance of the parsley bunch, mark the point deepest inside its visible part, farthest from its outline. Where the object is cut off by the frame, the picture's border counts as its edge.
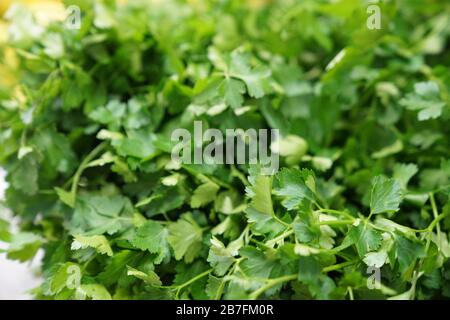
(358, 210)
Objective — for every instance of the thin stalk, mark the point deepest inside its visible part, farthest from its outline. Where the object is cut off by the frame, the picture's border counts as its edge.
(341, 213)
(181, 286)
(280, 221)
(338, 266)
(271, 283)
(260, 243)
(91, 156)
(197, 277)
(239, 175)
(435, 215)
(350, 293)
(280, 237)
(336, 222)
(433, 223)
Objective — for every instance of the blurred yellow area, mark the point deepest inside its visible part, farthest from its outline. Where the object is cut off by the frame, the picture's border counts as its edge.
(3, 32)
(54, 7)
(4, 4)
(8, 78)
(43, 9)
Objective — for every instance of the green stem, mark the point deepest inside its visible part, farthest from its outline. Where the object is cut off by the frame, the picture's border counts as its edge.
(221, 183)
(197, 277)
(280, 221)
(436, 221)
(271, 283)
(341, 213)
(88, 262)
(166, 216)
(47, 192)
(336, 222)
(91, 156)
(441, 188)
(350, 293)
(181, 286)
(433, 223)
(435, 215)
(338, 266)
(235, 171)
(430, 228)
(230, 272)
(260, 243)
(280, 237)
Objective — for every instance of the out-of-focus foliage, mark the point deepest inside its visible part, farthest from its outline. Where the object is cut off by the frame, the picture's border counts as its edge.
(85, 123)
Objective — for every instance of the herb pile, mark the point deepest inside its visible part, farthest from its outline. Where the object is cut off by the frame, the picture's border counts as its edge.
(363, 186)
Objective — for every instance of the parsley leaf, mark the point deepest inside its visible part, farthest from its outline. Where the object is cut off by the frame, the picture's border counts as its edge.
(386, 195)
(185, 237)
